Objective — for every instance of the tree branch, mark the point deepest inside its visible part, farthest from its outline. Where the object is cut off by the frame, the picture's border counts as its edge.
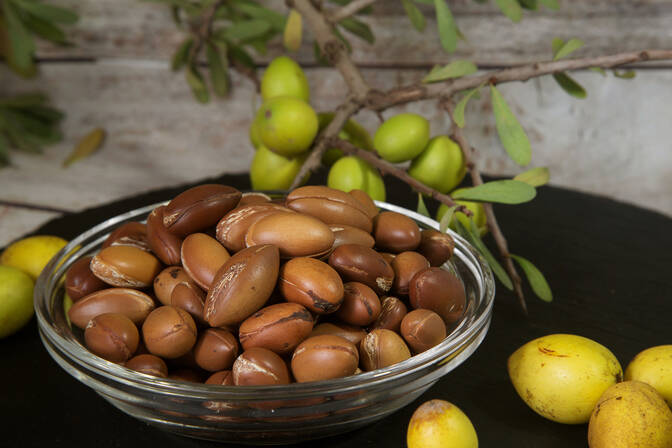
(348, 10)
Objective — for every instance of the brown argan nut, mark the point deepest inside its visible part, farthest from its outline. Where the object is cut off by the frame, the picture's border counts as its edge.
(191, 299)
(352, 333)
(167, 280)
(330, 206)
(440, 291)
(382, 348)
(221, 378)
(312, 283)
(80, 281)
(148, 364)
(392, 312)
(112, 336)
(134, 304)
(242, 286)
(215, 349)
(405, 266)
(364, 199)
(437, 247)
(198, 208)
(395, 232)
(130, 234)
(187, 375)
(259, 367)
(202, 256)
(323, 358)
(423, 329)
(125, 266)
(164, 244)
(169, 332)
(296, 235)
(388, 256)
(232, 228)
(361, 305)
(254, 197)
(362, 264)
(344, 234)
(279, 328)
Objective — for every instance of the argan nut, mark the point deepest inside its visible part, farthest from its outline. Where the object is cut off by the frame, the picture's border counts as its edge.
(202, 256)
(423, 329)
(232, 228)
(405, 266)
(361, 305)
(112, 336)
(382, 348)
(364, 199)
(259, 367)
(169, 332)
(130, 234)
(324, 357)
(134, 304)
(392, 312)
(187, 375)
(311, 283)
(242, 286)
(164, 244)
(80, 281)
(254, 197)
(388, 256)
(215, 349)
(167, 280)
(191, 299)
(279, 328)
(330, 206)
(199, 207)
(352, 333)
(148, 364)
(344, 234)
(395, 232)
(125, 266)
(296, 235)
(362, 264)
(440, 291)
(221, 378)
(437, 247)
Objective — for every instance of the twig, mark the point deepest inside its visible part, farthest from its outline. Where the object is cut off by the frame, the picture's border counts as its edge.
(500, 240)
(348, 10)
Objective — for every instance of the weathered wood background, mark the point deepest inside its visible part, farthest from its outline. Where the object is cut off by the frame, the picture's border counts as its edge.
(617, 142)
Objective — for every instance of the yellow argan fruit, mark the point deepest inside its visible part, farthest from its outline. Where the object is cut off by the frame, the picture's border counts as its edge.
(353, 173)
(270, 171)
(284, 77)
(16, 299)
(440, 424)
(653, 366)
(440, 165)
(287, 125)
(32, 254)
(401, 137)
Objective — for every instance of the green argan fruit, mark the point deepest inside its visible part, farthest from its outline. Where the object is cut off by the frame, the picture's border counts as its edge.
(284, 77)
(401, 137)
(353, 173)
(255, 138)
(440, 166)
(270, 171)
(476, 208)
(352, 132)
(287, 125)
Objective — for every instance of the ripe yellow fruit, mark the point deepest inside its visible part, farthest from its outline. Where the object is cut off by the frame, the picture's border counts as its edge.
(16, 300)
(562, 376)
(287, 125)
(270, 171)
(284, 77)
(630, 414)
(478, 216)
(440, 424)
(353, 173)
(653, 366)
(401, 137)
(32, 254)
(440, 165)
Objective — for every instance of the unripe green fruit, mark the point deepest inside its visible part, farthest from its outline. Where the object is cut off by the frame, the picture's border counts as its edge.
(255, 138)
(284, 77)
(270, 171)
(287, 126)
(352, 132)
(351, 173)
(476, 208)
(401, 137)
(440, 166)
(16, 300)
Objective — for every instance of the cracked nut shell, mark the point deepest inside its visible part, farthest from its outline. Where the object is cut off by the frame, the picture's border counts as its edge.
(112, 336)
(311, 283)
(362, 264)
(279, 328)
(169, 332)
(324, 357)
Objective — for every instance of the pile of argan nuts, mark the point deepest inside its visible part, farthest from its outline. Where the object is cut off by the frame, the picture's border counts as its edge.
(314, 286)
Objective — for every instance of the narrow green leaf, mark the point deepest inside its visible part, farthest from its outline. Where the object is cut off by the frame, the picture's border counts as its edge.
(24, 100)
(550, 4)
(536, 176)
(27, 123)
(599, 70)
(422, 208)
(536, 278)
(532, 5)
(430, 2)
(505, 191)
(45, 30)
(50, 13)
(511, 9)
(218, 70)
(446, 25)
(359, 29)
(570, 86)
(248, 29)
(446, 218)
(4, 151)
(416, 16)
(181, 54)
(240, 55)
(567, 48)
(46, 114)
(455, 69)
(195, 81)
(629, 74)
(21, 44)
(458, 113)
(511, 133)
(175, 14)
(293, 33)
(556, 45)
(86, 146)
(274, 19)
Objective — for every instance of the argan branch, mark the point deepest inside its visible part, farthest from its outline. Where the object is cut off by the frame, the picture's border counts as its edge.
(348, 10)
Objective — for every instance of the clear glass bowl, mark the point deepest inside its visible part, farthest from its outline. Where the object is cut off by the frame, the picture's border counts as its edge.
(269, 414)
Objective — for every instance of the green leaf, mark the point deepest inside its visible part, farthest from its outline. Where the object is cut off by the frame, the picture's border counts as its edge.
(46, 114)
(181, 55)
(248, 29)
(505, 191)
(175, 14)
(511, 133)
(455, 69)
(556, 44)
(25, 100)
(4, 151)
(446, 218)
(358, 28)
(416, 16)
(240, 55)
(446, 25)
(569, 85)
(532, 5)
(21, 44)
(274, 19)
(550, 4)
(88, 145)
(566, 48)
(293, 32)
(218, 70)
(49, 13)
(599, 70)
(458, 113)
(536, 176)
(45, 29)
(422, 208)
(629, 74)
(536, 278)
(511, 9)
(27, 123)
(195, 81)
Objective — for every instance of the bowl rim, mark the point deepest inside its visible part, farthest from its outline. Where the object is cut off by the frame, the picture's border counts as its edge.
(453, 344)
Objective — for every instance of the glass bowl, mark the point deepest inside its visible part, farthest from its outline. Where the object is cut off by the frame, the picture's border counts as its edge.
(268, 414)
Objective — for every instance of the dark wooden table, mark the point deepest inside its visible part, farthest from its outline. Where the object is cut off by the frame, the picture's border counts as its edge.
(608, 264)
